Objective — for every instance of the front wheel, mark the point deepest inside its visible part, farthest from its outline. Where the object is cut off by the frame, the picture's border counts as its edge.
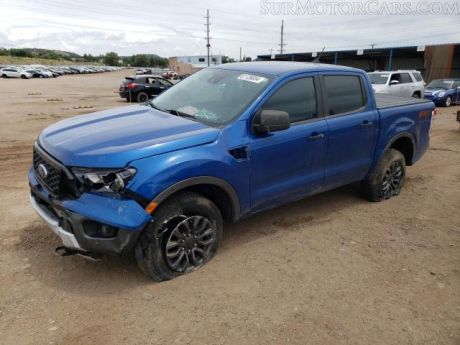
(387, 178)
(183, 237)
(448, 101)
(416, 95)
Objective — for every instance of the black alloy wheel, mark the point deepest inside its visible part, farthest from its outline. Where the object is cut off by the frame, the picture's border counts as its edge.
(189, 244)
(392, 180)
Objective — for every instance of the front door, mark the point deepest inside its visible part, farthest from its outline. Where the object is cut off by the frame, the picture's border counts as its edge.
(289, 164)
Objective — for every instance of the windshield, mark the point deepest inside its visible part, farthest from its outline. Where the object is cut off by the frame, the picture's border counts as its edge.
(378, 78)
(440, 84)
(214, 96)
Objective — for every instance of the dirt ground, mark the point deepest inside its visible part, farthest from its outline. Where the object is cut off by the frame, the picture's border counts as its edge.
(331, 269)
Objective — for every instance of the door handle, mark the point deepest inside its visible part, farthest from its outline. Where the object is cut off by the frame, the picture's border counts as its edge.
(366, 123)
(316, 136)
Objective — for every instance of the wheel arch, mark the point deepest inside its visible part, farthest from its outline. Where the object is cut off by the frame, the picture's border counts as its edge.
(215, 189)
(404, 143)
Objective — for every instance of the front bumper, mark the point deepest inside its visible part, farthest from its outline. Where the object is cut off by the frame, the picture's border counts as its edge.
(434, 99)
(92, 223)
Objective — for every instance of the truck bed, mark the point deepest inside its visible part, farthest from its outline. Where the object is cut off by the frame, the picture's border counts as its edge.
(387, 101)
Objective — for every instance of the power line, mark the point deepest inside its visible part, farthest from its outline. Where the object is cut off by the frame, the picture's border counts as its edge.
(208, 45)
(282, 44)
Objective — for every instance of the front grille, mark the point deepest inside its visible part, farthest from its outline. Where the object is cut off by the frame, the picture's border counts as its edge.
(52, 180)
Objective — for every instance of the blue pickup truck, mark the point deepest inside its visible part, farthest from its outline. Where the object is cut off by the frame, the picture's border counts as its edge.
(159, 179)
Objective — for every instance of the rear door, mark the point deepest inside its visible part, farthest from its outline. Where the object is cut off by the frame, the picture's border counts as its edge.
(408, 85)
(352, 125)
(289, 164)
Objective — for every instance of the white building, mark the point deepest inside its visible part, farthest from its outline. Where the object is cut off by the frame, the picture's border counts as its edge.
(200, 61)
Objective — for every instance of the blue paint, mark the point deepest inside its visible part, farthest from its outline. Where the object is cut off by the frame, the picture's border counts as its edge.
(281, 166)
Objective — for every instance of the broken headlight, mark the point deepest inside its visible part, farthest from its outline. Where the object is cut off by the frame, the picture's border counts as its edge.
(111, 180)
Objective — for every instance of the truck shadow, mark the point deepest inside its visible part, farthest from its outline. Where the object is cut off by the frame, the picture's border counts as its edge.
(115, 274)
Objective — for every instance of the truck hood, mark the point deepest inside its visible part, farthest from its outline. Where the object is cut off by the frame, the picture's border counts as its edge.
(113, 138)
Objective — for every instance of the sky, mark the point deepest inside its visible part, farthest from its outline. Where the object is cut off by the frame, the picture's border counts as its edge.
(176, 27)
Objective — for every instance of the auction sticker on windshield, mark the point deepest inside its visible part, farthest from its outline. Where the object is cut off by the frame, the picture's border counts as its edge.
(252, 78)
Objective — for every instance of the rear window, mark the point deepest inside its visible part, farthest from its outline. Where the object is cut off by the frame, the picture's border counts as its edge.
(417, 76)
(344, 94)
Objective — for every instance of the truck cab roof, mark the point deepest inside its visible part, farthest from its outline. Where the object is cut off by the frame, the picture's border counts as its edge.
(278, 68)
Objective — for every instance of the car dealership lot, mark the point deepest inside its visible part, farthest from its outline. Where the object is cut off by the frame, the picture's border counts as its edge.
(331, 269)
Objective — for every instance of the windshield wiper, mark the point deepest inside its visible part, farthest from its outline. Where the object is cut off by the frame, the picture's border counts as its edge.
(172, 111)
(180, 113)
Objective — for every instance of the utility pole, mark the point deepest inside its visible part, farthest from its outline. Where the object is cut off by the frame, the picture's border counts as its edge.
(282, 44)
(208, 45)
(240, 54)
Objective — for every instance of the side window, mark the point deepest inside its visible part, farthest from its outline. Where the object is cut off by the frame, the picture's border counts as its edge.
(344, 94)
(405, 78)
(297, 98)
(417, 76)
(396, 76)
(164, 82)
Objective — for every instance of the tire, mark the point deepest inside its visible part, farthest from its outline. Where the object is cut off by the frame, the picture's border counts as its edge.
(387, 178)
(416, 95)
(23, 76)
(142, 97)
(183, 237)
(448, 102)
(4, 76)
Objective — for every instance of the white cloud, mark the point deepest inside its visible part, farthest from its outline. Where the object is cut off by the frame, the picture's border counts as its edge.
(176, 27)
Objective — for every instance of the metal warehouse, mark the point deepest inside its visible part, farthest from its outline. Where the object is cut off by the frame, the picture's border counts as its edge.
(434, 61)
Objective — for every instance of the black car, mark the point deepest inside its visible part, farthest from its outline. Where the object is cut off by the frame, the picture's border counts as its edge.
(37, 73)
(142, 87)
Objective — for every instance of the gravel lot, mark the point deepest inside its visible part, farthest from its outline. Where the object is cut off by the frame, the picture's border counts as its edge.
(331, 269)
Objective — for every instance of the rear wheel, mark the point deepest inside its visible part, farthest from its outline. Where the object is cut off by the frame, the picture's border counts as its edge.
(416, 95)
(184, 236)
(142, 97)
(448, 101)
(4, 76)
(23, 76)
(387, 178)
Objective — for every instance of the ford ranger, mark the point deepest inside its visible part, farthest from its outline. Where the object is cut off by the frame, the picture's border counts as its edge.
(158, 180)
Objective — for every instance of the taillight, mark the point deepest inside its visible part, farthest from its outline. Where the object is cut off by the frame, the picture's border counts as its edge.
(131, 86)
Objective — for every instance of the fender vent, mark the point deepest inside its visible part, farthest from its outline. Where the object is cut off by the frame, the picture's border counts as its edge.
(239, 152)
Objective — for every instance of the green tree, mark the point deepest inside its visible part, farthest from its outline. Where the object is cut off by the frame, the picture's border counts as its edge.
(111, 59)
(141, 60)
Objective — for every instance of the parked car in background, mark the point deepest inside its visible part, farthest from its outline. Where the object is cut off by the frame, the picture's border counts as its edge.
(158, 180)
(398, 83)
(36, 73)
(169, 75)
(183, 76)
(139, 88)
(443, 92)
(11, 72)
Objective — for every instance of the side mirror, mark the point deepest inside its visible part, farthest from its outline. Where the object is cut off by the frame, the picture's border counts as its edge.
(394, 82)
(271, 121)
